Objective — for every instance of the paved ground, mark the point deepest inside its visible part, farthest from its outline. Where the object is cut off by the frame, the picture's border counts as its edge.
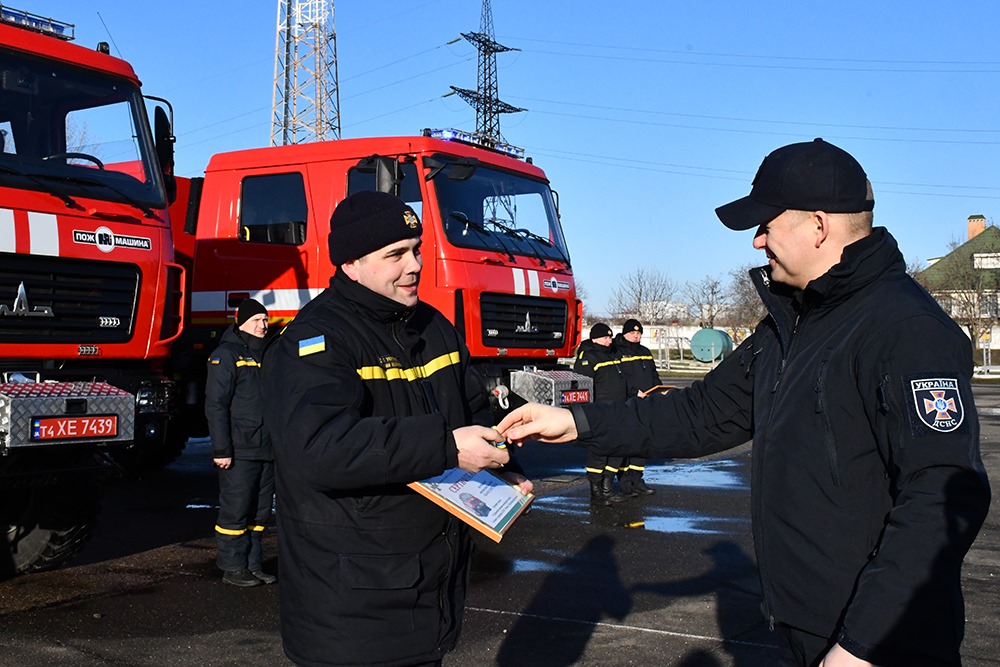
(666, 580)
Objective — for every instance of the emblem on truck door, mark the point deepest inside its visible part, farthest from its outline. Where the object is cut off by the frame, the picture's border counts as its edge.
(21, 307)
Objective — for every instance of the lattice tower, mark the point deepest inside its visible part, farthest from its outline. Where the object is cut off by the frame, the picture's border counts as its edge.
(306, 102)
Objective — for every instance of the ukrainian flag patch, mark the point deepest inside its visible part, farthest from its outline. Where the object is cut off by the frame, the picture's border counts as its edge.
(312, 345)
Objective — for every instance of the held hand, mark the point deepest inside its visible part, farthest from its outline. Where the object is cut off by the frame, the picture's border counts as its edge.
(224, 462)
(534, 421)
(523, 484)
(477, 448)
(839, 657)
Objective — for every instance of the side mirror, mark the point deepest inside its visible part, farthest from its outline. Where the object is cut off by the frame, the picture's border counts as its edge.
(388, 176)
(163, 136)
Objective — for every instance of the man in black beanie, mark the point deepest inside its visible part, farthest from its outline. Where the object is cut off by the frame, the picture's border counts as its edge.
(241, 447)
(371, 389)
(641, 375)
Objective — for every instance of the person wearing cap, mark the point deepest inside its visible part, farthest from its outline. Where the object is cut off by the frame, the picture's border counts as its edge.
(597, 359)
(641, 375)
(372, 389)
(868, 485)
(241, 446)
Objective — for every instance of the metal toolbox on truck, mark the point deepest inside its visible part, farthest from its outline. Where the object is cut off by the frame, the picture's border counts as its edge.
(558, 388)
(53, 413)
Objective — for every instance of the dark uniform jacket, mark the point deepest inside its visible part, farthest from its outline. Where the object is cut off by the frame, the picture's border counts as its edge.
(868, 486)
(602, 364)
(637, 365)
(364, 396)
(233, 398)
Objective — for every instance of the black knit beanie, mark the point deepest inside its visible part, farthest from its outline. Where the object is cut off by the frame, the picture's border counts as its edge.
(366, 221)
(599, 330)
(631, 325)
(247, 309)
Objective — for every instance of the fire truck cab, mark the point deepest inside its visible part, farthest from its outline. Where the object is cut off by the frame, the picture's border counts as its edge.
(90, 300)
(495, 259)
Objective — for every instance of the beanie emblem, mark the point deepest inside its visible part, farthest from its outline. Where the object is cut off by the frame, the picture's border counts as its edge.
(410, 219)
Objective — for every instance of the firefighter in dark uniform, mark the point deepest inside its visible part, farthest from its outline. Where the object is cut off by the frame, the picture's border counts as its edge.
(241, 447)
(641, 375)
(596, 358)
(371, 389)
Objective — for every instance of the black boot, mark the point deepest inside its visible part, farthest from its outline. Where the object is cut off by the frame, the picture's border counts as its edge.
(597, 496)
(641, 488)
(608, 488)
(626, 485)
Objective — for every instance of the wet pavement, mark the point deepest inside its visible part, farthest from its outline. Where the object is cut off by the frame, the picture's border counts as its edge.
(667, 579)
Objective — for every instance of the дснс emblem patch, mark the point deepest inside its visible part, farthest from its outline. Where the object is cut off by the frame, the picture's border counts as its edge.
(938, 403)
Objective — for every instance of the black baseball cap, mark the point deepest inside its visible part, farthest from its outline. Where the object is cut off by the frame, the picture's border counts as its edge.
(809, 176)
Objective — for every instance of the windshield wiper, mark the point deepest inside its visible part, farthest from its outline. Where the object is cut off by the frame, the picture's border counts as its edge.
(541, 239)
(465, 220)
(129, 199)
(45, 187)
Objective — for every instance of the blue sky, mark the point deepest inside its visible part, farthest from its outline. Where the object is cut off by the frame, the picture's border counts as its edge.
(645, 115)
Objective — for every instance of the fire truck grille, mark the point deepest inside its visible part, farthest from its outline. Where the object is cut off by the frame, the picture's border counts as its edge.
(61, 300)
(517, 321)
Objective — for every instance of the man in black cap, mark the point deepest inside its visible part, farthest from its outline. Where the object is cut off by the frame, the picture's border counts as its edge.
(868, 485)
(641, 376)
(241, 447)
(372, 389)
(597, 359)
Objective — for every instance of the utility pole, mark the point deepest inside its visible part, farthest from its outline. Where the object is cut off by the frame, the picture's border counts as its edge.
(484, 99)
(306, 102)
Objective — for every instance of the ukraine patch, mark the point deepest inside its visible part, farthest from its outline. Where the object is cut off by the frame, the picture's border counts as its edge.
(215, 361)
(938, 403)
(312, 345)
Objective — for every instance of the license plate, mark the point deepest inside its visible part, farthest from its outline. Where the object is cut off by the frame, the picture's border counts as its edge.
(71, 428)
(576, 396)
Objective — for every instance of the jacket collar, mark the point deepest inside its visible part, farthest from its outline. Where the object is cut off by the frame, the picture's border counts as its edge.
(380, 308)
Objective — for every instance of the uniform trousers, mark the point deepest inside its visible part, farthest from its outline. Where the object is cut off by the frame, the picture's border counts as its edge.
(246, 493)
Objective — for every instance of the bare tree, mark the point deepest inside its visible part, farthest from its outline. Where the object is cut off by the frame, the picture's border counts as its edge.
(582, 294)
(966, 285)
(644, 293)
(745, 307)
(707, 298)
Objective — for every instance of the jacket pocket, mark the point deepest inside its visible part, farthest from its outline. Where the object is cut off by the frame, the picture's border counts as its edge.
(247, 434)
(395, 571)
(829, 441)
(384, 597)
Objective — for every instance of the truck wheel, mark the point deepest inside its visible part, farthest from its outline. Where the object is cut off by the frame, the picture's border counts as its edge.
(47, 526)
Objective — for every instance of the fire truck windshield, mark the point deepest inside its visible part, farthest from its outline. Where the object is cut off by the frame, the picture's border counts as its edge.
(502, 211)
(74, 133)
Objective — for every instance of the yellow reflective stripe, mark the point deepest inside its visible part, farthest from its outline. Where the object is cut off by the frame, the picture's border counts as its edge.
(246, 362)
(635, 467)
(410, 374)
(596, 471)
(227, 531)
(605, 363)
(610, 469)
(256, 529)
(641, 358)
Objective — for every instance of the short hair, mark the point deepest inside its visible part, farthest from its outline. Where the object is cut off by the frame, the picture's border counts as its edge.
(860, 223)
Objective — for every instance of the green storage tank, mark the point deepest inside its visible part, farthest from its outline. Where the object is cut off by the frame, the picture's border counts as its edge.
(710, 345)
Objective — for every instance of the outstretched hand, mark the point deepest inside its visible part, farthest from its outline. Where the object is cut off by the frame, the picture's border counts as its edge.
(534, 421)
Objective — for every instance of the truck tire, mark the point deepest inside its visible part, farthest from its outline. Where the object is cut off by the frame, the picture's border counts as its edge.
(46, 526)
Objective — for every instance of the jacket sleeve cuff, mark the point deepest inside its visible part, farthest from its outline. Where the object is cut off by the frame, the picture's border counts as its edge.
(857, 649)
(582, 425)
(451, 452)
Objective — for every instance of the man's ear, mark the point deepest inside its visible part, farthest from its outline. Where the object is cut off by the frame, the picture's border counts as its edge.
(821, 221)
(351, 269)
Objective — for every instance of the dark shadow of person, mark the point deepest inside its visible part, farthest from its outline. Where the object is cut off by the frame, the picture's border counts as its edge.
(554, 628)
(733, 579)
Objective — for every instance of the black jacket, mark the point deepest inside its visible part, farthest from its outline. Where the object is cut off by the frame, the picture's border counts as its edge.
(602, 364)
(868, 486)
(637, 365)
(233, 398)
(365, 395)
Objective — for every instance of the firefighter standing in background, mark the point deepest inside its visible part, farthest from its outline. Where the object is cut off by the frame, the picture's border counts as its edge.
(241, 446)
(596, 358)
(640, 376)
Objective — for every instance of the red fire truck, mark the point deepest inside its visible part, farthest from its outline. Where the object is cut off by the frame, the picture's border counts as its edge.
(495, 259)
(90, 299)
